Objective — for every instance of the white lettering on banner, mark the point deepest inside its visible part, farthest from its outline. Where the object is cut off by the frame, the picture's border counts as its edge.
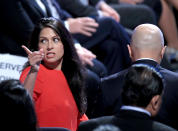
(5, 78)
(11, 66)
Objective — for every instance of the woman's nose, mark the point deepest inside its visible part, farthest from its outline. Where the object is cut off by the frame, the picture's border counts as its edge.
(50, 45)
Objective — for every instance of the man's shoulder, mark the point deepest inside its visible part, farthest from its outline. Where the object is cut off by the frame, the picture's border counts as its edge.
(169, 75)
(114, 77)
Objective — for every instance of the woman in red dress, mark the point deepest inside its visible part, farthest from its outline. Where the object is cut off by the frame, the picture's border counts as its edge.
(54, 76)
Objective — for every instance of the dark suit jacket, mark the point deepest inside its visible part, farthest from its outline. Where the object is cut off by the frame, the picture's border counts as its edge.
(77, 9)
(109, 100)
(18, 18)
(127, 120)
(26, 13)
(109, 33)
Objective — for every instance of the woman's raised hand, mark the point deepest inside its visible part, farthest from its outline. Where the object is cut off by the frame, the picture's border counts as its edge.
(34, 58)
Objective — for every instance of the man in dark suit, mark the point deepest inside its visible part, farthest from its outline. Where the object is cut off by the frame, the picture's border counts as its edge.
(131, 16)
(147, 47)
(141, 98)
(17, 27)
(18, 20)
(78, 9)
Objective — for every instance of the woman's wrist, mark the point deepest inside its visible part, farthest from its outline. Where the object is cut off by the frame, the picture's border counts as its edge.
(34, 69)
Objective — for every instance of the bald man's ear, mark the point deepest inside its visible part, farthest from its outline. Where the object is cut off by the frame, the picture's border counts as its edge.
(130, 51)
(162, 51)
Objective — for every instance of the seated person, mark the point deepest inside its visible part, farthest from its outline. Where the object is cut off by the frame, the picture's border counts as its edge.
(141, 98)
(54, 76)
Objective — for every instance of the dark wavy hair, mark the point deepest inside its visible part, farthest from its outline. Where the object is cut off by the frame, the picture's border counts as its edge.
(17, 111)
(142, 83)
(71, 66)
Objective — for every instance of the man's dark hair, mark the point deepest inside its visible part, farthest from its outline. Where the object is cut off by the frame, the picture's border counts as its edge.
(142, 82)
(17, 111)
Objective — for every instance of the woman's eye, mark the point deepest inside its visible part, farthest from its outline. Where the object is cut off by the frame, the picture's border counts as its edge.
(56, 40)
(43, 41)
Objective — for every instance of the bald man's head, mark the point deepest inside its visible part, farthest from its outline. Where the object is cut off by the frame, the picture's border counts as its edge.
(147, 41)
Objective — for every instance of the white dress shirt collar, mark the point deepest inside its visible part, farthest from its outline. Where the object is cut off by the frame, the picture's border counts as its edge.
(41, 5)
(134, 108)
(145, 59)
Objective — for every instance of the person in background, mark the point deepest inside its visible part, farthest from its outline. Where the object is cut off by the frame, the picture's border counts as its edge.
(17, 111)
(54, 76)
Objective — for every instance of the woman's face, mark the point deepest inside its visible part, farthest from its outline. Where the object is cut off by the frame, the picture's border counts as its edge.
(53, 48)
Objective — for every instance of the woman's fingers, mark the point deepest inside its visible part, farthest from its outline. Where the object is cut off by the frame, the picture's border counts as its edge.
(26, 50)
(34, 57)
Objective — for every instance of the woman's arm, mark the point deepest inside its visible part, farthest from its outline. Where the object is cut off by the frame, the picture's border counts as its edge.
(34, 60)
